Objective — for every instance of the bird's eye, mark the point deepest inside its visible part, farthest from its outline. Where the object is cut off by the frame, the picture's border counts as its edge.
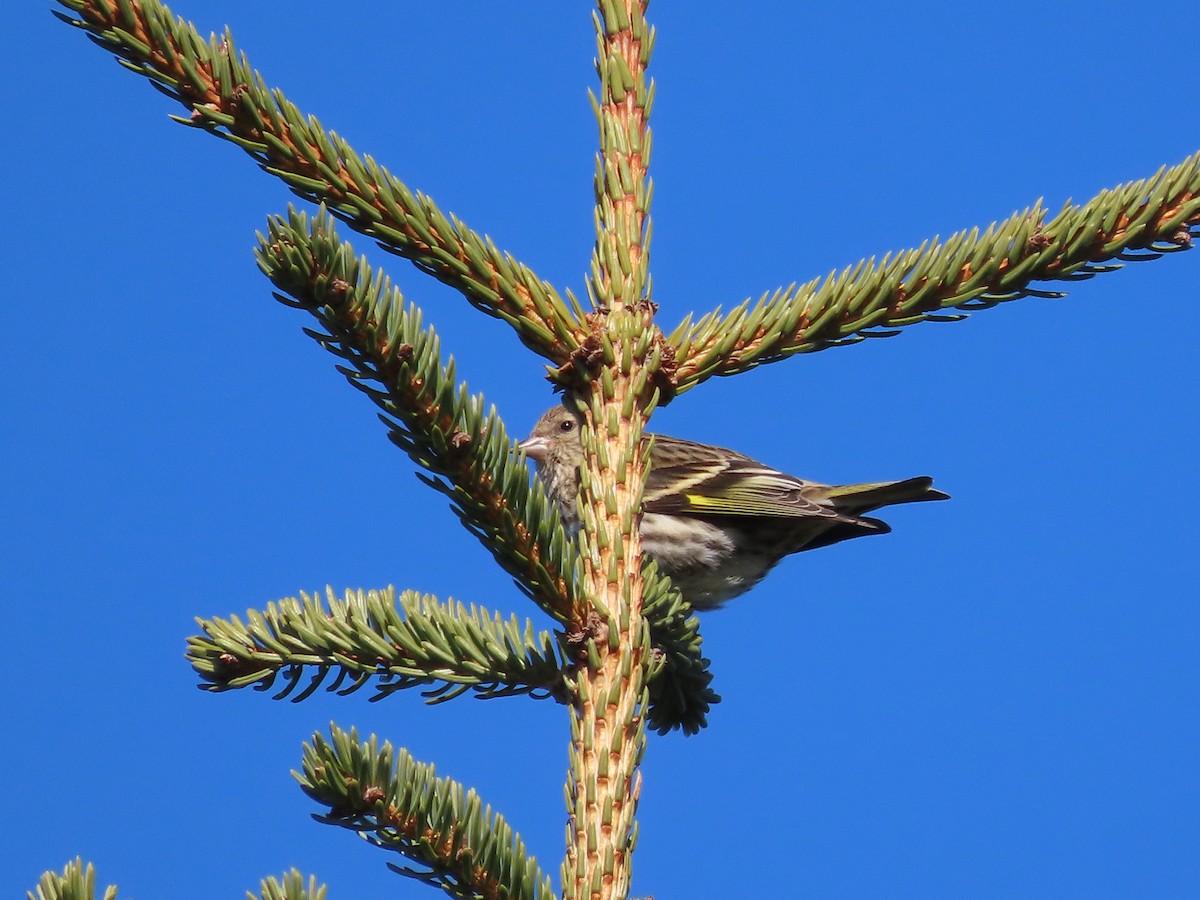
(566, 425)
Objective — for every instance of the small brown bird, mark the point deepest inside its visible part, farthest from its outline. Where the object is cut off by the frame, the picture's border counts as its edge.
(717, 521)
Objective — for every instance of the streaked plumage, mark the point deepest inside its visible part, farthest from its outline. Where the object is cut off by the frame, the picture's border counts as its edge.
(715, 520)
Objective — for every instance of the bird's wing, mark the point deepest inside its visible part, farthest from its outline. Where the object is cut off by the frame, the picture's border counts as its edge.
(687, 478)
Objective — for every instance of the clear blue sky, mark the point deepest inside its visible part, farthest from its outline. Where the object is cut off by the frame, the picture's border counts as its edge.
(997, 700)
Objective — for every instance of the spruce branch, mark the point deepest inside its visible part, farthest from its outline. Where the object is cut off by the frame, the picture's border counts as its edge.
(625, 374)
(76, 882)
(416, 641)
(622, 184)
(410, 641)
(399, 804)
(969, 271)
(619, 281)
(392, 357)
(680, 682)
(226, 97)
(396, 362)
(291, 887)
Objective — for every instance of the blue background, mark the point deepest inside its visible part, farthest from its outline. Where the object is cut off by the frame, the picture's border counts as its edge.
(998, 699)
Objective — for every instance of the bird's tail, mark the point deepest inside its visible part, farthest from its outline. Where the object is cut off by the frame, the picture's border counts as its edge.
(852, 500)
(857, 499)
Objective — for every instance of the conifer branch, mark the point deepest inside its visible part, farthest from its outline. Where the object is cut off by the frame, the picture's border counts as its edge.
(410, 641)
(291, 887)
(622, 183)
(399, 804)
(680, 682)
(76, 882)
(397, 363)
(229, 99)
(624, 375)
(969, 271)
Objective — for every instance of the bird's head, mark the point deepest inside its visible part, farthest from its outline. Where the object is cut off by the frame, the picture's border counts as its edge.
(555, 436)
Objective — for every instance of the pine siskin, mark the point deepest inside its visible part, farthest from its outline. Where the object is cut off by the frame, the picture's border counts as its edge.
(714, 520)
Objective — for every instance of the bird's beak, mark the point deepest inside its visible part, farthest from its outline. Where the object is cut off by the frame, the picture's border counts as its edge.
(535, 447)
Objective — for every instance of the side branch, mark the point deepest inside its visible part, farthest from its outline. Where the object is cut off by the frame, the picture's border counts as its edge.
(227, 98)
(413, 641)
(398, 804)
(396, 361)
(970, 271)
